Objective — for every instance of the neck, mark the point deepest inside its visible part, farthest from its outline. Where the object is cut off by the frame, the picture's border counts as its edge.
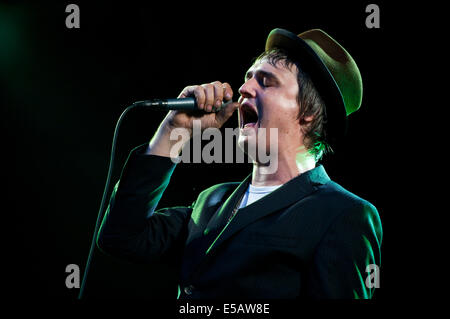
(289, 166)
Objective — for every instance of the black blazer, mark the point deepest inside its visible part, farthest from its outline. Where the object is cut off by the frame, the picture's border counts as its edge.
(309, 238)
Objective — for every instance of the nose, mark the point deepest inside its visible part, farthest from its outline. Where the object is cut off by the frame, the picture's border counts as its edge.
(247, 89)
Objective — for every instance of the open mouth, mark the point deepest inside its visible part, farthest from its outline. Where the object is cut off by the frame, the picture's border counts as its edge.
(249, 115)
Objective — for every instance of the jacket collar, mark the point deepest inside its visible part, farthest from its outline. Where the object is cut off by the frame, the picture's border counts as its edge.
(289, 193)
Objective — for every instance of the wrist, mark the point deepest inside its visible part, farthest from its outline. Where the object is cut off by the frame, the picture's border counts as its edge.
(168, 141)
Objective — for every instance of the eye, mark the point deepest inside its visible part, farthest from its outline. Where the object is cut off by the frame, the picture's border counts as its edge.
(267, 82)
(262, 80)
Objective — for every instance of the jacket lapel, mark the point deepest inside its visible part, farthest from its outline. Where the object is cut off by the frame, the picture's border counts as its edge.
(219, 220)
(199, 243)
(291, 192)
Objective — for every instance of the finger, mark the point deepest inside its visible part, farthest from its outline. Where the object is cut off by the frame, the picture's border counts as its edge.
(227, 91)
(187, 91)
(218, 95)
(197, 91)
(200, 97)
(224, 114)
(209, 96)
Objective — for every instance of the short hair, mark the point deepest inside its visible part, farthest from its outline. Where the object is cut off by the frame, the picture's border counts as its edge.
(310, 103)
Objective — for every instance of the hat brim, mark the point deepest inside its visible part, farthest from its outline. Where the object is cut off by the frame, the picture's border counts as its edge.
(310, 62)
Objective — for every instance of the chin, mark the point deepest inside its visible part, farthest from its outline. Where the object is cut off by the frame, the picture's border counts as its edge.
(250, 146)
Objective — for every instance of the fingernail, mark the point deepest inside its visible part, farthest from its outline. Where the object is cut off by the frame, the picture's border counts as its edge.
(218, 103)
(228, 95)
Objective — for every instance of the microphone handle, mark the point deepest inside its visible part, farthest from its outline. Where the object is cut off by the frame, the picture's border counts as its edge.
(186, 104)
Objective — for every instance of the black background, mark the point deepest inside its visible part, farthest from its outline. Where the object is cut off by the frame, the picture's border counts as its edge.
(64, 89)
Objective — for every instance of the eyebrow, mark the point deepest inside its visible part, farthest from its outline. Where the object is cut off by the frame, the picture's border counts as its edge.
(267, 74)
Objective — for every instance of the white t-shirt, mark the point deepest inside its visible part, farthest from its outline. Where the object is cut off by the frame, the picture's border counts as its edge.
(254, 193)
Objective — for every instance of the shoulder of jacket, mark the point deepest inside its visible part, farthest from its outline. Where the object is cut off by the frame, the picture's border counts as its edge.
(335, 192)
(345, 210)
(338, 201)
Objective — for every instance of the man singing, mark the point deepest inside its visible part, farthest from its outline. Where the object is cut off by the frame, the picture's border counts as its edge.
(287, 233)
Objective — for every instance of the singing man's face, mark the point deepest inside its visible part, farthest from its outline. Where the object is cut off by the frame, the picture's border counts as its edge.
(269, 100)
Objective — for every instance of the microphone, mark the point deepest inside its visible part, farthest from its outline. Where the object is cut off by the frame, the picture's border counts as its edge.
(184, 104)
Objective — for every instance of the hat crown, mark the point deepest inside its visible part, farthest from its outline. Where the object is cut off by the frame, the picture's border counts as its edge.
(340, 64)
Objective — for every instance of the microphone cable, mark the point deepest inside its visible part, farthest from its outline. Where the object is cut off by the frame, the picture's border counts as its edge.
(105, 194)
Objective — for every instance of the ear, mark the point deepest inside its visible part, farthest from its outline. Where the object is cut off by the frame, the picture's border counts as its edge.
(308, 119)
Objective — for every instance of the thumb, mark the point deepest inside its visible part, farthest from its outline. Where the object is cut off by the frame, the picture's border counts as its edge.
(225, 113)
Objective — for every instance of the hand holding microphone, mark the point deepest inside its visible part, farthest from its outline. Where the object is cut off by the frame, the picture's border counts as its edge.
(209, 96)
(214, 99)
